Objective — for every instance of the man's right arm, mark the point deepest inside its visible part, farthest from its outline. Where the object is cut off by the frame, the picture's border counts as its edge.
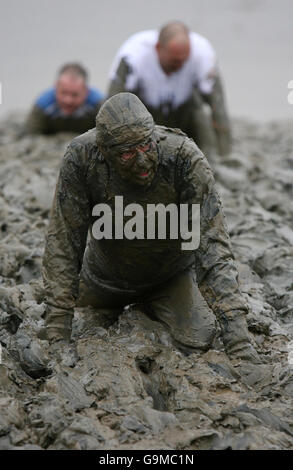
(118, 82)
(65, 244)
(36, 122)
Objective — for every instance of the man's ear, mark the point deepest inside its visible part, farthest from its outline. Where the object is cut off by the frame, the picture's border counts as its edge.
(104, 152)
(101, 148)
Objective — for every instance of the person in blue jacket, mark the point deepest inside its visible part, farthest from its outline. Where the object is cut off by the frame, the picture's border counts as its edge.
(70, 106)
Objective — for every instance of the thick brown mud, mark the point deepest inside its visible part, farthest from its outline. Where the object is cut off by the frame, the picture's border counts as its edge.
(131, 388)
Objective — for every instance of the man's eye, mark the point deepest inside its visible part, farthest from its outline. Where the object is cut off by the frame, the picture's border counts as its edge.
(127, 156)
(149, 146)
(145, 148)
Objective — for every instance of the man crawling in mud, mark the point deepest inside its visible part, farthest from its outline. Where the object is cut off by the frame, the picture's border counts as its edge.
(186, 290)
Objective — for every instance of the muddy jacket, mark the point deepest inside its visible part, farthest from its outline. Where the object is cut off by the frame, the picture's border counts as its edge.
(47, 118)
(86, 179)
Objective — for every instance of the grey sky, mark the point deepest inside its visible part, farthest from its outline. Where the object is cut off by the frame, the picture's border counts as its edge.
(253, 40)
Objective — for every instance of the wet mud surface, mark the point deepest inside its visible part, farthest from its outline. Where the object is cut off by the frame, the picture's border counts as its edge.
(131, 388)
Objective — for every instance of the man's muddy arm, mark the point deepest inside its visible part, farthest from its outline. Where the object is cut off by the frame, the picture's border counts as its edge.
(215, 266)
(118, 84)
(220, 119)
(36, 122)
(65, 245)
(216, 270)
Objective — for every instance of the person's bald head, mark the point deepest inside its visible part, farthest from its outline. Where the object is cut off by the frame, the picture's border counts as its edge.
(173, 46)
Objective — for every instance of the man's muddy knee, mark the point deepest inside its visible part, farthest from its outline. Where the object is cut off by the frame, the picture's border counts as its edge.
(196, 338)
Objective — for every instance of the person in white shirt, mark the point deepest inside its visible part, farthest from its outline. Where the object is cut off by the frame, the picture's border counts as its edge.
(174, 72)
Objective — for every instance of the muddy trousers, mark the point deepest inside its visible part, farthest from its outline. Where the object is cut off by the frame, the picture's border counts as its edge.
(178, 304)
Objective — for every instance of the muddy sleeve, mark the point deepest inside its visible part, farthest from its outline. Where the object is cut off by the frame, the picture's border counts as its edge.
(215, 266)
(65, 244)
(118, 83)
(220, 120)
(36, 122)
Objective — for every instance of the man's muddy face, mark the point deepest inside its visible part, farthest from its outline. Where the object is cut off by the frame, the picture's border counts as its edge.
(138, 164)
(71, 93)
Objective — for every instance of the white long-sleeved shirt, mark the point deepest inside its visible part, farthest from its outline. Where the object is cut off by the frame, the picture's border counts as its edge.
(154, 85)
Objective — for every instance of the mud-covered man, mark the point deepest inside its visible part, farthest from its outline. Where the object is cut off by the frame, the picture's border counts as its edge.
(127, 155)
(175, 72)
(70, 106)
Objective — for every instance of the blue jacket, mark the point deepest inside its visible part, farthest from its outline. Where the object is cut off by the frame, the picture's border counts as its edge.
(48, 103)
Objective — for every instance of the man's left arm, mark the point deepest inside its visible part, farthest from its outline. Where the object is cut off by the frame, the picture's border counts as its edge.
(215, 266)
(220, 120)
